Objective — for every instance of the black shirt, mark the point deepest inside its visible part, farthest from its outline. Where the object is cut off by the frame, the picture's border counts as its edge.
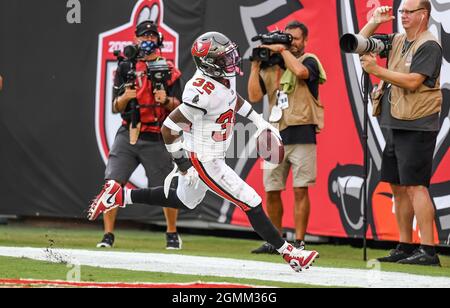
(305, 134)
(427, 61)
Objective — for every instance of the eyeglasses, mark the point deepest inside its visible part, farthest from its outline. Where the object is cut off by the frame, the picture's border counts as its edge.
(408, 12)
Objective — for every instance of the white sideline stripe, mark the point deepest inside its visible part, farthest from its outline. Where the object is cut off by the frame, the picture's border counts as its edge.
(220, 267)
(442, 203)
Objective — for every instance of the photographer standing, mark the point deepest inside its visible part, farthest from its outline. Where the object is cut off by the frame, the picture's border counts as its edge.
(293, 94)
(408, 103)
(144, 144)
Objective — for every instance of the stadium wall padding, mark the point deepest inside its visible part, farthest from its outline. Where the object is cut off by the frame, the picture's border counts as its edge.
(54, 139)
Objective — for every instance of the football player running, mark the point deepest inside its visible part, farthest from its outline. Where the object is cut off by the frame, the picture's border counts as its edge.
(198, 134)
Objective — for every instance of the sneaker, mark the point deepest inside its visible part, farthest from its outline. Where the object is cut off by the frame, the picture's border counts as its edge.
(395, 256)
(420, 257)
(265, 248)
(173, 241)
(299, 259)
(107, 241)
(109, 198)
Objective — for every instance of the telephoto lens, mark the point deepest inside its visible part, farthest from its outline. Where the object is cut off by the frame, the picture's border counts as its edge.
(355, 43)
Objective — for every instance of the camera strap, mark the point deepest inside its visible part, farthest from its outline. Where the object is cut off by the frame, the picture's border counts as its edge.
(279, 77)
(276, 113)
(278, 81)
(282, 96)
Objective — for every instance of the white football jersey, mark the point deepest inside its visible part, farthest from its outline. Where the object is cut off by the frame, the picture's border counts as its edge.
(211, 107)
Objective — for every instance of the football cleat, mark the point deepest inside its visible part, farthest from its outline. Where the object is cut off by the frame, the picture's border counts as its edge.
(299, 259)
(109, 198)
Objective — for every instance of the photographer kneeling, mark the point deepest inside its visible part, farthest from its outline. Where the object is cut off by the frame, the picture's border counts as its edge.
(144, 102)
(291, 80)
(408, 103)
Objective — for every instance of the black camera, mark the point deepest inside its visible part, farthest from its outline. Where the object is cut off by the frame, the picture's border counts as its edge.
(264, 54)
(260, 54)
(131, 114)
(380, 44)
(136, 52)
(159, 73)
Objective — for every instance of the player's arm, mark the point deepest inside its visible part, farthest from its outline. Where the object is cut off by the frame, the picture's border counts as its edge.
(246, 110)
(171, 131)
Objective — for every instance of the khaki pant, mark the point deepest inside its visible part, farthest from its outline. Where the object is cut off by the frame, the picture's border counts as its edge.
(303, 160)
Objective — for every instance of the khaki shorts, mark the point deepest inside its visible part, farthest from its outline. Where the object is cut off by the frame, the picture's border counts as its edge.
(303, 160)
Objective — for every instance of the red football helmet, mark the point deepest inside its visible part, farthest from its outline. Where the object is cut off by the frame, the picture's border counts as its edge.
(215, 55)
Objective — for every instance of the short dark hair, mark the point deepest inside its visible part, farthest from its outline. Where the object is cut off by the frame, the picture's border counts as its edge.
(295, 24)
(426, 4)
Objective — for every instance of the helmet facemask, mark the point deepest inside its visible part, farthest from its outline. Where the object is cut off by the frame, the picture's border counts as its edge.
(230, 63)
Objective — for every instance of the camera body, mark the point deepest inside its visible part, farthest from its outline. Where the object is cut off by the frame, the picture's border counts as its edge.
(264, 54)
(380, 44)
(136, 52)
(159, 73)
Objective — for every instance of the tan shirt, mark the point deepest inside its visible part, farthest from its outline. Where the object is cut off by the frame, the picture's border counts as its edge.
(405, 104)
(304, 108)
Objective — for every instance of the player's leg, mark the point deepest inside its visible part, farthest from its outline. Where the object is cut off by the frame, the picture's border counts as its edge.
(275, 177)
(224, 181)
(187, 195)
(153, 197)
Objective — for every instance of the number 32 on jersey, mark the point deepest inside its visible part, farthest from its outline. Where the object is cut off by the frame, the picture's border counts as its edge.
(226, 119)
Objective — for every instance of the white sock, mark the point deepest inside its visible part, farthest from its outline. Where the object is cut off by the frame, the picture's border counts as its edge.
(281, 250)
(127, 197)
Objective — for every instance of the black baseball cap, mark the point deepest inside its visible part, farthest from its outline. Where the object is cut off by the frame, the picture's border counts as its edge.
(145, 27)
